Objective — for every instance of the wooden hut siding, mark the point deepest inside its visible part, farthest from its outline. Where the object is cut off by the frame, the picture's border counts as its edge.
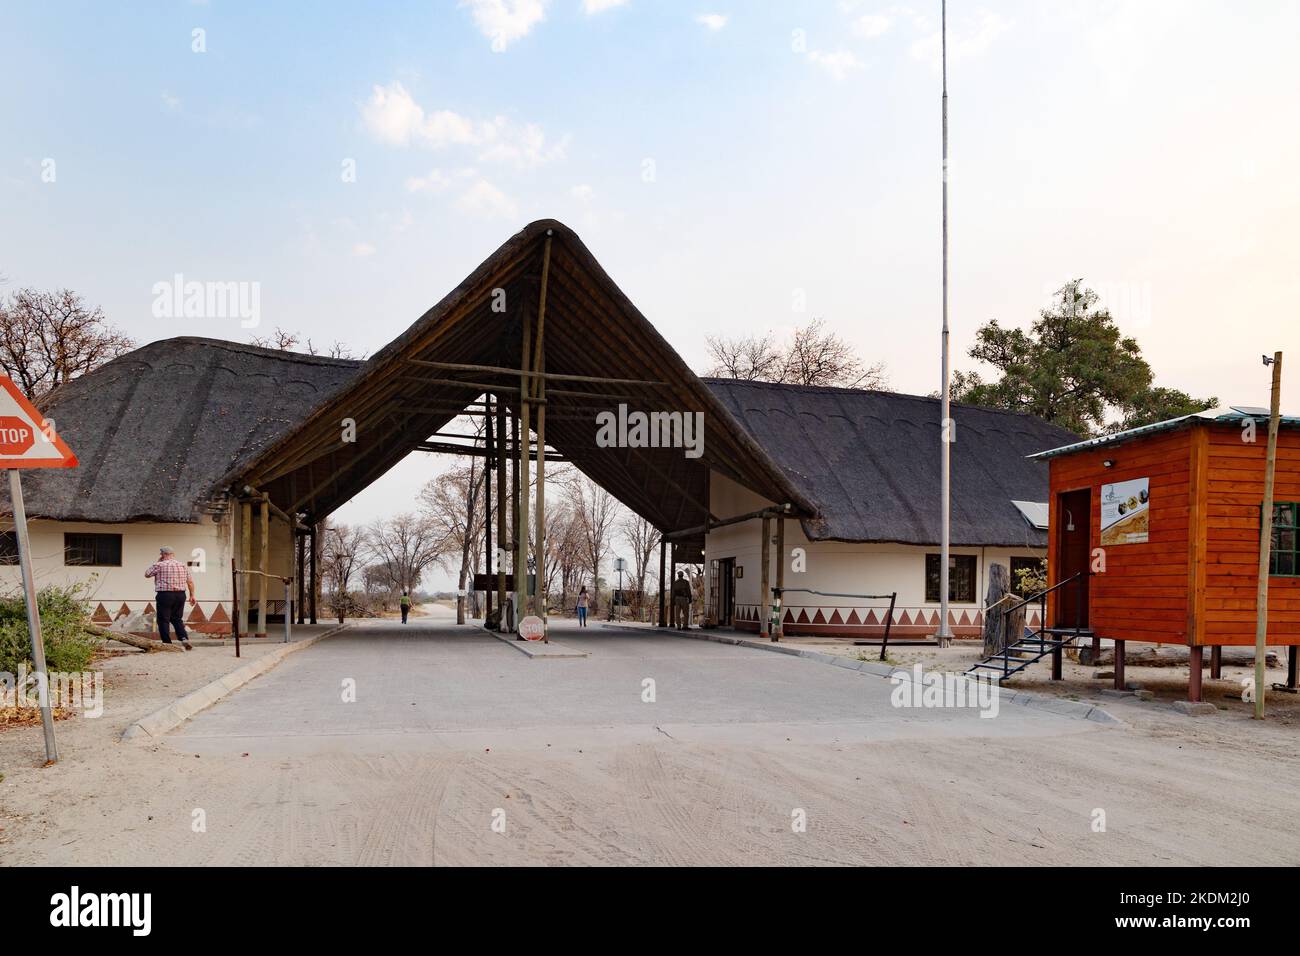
(1141, 596)
(1235, 488)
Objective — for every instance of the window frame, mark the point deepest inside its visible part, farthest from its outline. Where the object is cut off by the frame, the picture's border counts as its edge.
(95, 555)
(1294, 550)
(952, 578)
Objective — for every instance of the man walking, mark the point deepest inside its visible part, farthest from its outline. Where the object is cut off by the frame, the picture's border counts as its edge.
(405, 603)
(171, 580)
(681, 601)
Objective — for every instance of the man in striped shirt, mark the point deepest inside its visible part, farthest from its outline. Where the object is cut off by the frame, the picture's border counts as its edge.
(171, 580)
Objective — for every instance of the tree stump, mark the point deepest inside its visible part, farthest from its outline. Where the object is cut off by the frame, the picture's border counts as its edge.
(998, 598)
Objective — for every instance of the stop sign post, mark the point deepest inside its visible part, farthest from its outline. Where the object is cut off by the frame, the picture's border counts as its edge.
(27, 440)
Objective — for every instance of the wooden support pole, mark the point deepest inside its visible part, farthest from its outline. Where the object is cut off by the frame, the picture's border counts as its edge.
(672, 579)
(1119, 665)
(1291, 681)
(314, 583)
(514, 520)
(663, 558)
(539, 389)
(778, 627)
(1266, 537)
(525, 483)
(500, 412)
(1195, 660)
(301, 575)
(764, 591)
(245, 559)
(263, 564)
(1216, 662)
(488, 466)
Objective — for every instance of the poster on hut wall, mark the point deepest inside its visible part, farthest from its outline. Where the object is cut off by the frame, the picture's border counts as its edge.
(1125, 512)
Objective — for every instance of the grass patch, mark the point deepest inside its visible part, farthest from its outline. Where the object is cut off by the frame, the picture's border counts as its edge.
(64, 620)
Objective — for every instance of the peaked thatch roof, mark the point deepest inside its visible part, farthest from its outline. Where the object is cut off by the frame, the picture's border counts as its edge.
(155, 428)
(869, 462)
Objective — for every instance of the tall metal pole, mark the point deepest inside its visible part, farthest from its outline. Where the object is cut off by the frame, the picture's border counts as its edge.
(1266, 534)
(33, 613)
(946, 431)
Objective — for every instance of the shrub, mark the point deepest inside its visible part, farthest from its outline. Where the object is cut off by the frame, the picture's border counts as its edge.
(68, 647)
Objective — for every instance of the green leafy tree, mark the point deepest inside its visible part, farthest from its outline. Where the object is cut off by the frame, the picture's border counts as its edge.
(1074, 368)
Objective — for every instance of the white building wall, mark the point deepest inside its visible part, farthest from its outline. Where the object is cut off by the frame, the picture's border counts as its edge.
(840, 567)
(206, 545)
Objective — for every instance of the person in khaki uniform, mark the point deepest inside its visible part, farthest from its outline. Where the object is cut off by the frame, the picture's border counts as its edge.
(681, 601)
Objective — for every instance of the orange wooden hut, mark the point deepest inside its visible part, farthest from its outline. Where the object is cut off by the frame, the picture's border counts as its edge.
(1157, 530)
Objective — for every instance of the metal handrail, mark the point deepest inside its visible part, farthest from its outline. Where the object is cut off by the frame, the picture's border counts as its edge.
(1042, 594)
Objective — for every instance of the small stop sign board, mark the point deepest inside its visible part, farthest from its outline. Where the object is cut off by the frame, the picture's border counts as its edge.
(531, 628)
(27, 440)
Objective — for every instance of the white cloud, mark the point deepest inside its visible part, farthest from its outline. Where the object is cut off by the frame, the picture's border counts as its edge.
(435, 182)
(171, 102)
(363, 250)
(592, 7)
(484, 199)
(713, 21)
(395, 119)
(871, 25)
(582, 193)
(966, 41)
(838, 64)
(504, 21)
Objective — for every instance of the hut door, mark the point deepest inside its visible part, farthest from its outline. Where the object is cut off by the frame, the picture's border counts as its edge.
(1073, 536)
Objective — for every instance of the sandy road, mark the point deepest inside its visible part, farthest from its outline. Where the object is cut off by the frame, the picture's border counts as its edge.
(451, 730)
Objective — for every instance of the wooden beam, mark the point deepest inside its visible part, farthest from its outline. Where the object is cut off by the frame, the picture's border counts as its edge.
(263, 564)
(547, 376)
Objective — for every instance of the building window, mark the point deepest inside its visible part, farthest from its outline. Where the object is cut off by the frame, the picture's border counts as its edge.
(1028, 575)
(8, 547)
(93, 550)
(961, 578)
(1284, 554)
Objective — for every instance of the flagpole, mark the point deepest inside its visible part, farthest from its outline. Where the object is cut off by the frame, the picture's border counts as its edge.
(944, 633)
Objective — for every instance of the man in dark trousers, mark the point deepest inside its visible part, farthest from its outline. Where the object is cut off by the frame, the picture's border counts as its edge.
(405, 603)
(171, 580)
(681, 601)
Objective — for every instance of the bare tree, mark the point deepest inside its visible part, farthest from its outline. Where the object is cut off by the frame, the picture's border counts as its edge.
(750, 358)
(48, 338)
(814, 356)
(285, 340)
(597, 511)
(820, 357)
(406, 546)
(643, 538)
(452, 504)
(342, 548)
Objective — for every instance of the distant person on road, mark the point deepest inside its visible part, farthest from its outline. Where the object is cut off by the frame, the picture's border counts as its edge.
(681, 601)
(583, 601)
(405, 602)
(171, 580)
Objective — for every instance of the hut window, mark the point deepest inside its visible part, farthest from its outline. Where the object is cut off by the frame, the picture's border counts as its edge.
(93, 550)
(961, 578)
(8, 547)
(1284, 555)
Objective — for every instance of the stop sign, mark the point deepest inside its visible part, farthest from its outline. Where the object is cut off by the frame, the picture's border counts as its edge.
(16, 435)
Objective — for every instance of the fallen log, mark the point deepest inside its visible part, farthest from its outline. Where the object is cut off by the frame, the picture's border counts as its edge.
(143, 643)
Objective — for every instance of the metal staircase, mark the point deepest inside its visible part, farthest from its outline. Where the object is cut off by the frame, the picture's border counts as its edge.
(1033, 646)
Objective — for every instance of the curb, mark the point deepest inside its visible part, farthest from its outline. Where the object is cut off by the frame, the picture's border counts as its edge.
(538, 648)
(154, 725)
(1055, 705)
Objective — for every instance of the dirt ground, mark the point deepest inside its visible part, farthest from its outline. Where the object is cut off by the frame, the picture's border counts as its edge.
(1174, 790)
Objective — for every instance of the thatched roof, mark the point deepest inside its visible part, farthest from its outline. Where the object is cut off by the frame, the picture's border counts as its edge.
(869, 462)
(155, 428)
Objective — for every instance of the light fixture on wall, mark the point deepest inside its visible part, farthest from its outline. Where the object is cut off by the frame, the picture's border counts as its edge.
(1069, 520)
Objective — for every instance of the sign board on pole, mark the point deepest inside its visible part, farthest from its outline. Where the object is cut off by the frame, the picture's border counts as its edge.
(532, 628)
(27, 440)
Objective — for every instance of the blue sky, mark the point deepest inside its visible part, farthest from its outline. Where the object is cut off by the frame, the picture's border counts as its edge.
(1148, 147)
